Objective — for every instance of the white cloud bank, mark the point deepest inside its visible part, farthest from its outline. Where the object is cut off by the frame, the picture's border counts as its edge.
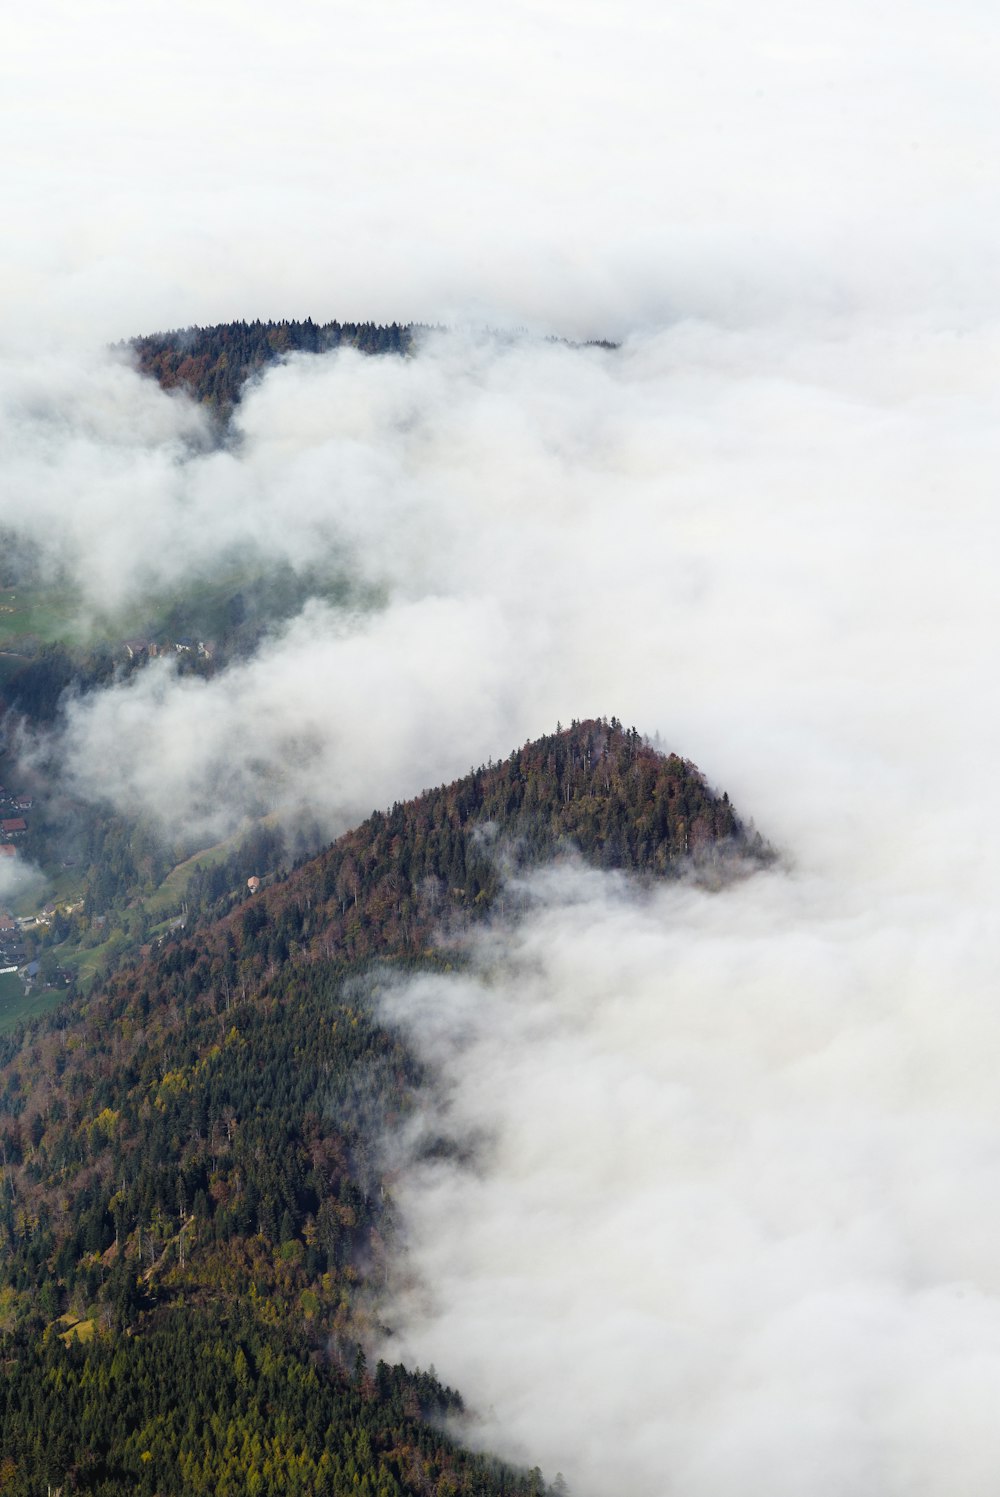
(774, 550)
(733, 1227)
(557, 163)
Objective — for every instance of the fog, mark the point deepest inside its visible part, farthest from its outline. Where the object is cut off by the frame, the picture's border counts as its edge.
(728, 1228)
(19, 878)
(550, 164)
(731, 1224)
(771, 549)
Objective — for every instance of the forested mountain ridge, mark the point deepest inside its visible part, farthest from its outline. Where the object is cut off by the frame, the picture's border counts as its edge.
(191, 1163)
(214, 363)
(597, 789)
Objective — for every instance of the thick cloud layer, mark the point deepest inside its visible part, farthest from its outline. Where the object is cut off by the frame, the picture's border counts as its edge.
(772, 550)
(557, 163)
(730, 1229)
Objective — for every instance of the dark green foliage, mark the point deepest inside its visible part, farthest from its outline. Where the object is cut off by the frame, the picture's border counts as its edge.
(214, 363)
(210, 1401)
(37, 688)
(261, 852)
(123, 856)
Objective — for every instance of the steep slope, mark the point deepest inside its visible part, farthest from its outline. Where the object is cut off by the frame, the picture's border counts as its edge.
(390, 887)
(191, 1156)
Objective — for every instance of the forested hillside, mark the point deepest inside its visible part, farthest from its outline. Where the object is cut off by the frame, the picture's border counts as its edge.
(214, 363)
(405, 874)
(193, 1214)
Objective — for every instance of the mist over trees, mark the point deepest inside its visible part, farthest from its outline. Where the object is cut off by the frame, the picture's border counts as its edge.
(195, 1201)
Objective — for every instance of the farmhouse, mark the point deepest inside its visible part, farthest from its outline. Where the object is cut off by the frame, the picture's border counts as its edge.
(13, 826)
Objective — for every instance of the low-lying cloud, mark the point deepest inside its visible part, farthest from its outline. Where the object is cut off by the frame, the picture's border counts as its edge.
(729, 1227)
(323, 724)
(556, 165)
(772, 550)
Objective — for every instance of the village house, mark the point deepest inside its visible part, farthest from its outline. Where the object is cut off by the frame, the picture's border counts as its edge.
(14, 826)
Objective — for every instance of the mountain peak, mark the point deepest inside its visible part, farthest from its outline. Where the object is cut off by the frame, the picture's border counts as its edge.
(596, 788)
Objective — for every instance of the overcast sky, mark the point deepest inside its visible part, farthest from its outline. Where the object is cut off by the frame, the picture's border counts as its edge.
(737, 1210)
(574, 166)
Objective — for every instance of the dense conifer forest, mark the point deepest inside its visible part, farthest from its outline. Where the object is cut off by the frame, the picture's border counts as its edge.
(193, 1214)
(214, 363)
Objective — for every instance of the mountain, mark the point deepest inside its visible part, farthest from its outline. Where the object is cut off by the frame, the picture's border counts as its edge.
(193, 1214)
(214, 363)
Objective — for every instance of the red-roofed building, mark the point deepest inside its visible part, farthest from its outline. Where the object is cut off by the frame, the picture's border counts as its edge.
(13, 826)
(8, 850)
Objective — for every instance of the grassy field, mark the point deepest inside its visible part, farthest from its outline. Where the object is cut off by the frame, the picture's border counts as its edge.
(167, 898)
(206, 609)
(65, 885)
(11, 989)
(87, 961)
(45, 613)
(16, 1006)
